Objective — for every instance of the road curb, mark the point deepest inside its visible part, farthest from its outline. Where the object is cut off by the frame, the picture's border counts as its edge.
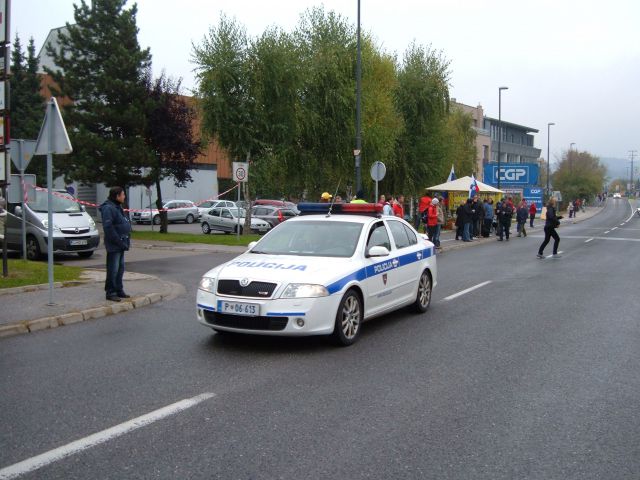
(171, 291)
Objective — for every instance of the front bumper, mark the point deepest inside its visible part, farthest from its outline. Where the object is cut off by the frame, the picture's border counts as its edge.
(276, 316)
(68, 244)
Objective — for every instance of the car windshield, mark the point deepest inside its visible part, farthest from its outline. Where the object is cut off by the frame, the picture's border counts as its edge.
(62, 203)
(309, 238)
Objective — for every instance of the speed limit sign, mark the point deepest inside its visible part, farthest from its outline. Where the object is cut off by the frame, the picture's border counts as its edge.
(240, 171)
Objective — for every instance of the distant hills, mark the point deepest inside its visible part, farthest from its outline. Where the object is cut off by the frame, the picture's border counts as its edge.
(619, 167)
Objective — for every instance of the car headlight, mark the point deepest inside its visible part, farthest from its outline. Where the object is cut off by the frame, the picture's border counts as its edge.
(207, 284)
(304, 290)
(92, 224)
(45, 223)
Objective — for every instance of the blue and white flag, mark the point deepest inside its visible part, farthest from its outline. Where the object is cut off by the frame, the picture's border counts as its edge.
(473, 187)
(452, 175)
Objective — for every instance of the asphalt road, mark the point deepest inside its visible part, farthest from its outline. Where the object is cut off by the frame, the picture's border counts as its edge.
(533, 375)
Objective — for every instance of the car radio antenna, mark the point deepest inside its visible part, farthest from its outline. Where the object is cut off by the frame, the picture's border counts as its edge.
(333, 199)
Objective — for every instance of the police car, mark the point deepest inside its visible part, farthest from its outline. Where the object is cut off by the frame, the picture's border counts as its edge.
(322, 273)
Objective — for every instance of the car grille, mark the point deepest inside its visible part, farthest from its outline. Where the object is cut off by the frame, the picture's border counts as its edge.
(74, 231)
(254, 289)
(245, 323)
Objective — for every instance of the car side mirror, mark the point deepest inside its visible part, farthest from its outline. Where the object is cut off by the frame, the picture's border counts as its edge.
(83, 208)
(378, 251)
(18, 211)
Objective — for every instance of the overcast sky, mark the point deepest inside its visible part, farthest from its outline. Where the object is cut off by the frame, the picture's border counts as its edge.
(575, 63)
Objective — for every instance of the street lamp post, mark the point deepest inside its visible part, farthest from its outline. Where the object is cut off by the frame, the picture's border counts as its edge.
(571, 156)
(500, 128)
(358, 150)
(548, 143)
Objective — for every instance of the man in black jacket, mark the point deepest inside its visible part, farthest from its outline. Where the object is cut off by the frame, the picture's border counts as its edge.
(467, 218)
(117, 228)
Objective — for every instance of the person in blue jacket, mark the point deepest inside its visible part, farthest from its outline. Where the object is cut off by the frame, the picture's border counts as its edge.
(117, 229)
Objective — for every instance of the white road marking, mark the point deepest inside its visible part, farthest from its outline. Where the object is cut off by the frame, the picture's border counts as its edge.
(623, 224)
(471, 289)
(588, 240)
(607, 232)
(614, 228)
(595, 238)
(69, 449)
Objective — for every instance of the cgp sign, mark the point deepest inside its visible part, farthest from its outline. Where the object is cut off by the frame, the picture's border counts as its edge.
(511, 174)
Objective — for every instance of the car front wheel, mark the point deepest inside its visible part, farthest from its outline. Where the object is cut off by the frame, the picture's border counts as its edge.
(206, 228)
(348, 319)
(33, 248)
(423, 298)
(190, 218)
(156, 220)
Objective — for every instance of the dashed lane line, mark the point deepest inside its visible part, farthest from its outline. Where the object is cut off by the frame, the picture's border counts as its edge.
(72, 448)
(588, 240)
(463, 292)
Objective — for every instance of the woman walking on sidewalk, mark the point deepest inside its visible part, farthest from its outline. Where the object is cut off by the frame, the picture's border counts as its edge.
(552, 222)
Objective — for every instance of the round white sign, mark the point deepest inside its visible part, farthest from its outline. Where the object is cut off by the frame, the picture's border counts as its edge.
(378, 171)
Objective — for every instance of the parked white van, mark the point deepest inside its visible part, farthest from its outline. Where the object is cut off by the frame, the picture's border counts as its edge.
(74, 231)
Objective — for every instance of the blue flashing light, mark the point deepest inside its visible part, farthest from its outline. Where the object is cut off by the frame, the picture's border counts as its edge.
(368, 209)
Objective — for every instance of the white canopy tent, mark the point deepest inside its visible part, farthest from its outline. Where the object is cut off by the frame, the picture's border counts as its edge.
(462, 185)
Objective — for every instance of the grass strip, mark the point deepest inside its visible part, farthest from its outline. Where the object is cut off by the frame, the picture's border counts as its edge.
(25, 272)
(212, 239)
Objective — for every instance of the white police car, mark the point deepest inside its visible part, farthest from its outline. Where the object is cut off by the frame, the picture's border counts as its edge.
(320, 274)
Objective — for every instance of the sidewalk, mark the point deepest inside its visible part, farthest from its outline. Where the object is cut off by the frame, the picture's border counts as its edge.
(26, 309)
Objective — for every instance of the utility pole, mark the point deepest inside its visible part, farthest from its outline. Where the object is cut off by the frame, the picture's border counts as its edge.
(357, 152)
(632, 153)
(5, 168)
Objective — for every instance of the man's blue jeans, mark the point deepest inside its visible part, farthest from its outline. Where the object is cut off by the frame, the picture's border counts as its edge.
(466, 233)
(115, 272)
(436, 237)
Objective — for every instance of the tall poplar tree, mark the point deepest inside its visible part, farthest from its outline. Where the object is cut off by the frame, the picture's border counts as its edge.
(26, 103)
(101, 77)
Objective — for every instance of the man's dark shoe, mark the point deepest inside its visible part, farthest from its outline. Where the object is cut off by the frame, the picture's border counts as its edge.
(123, 295)
(114, 298)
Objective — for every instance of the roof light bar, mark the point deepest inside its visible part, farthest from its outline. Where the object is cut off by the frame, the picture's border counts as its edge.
(369, 209)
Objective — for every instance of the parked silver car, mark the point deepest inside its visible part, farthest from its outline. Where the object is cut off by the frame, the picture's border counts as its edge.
(177, 211)
(226, 220)
(74, 231)
(272, 214)
(207, 205)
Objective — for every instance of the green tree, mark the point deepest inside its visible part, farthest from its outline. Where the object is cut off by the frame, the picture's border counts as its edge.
(423, 101)
(169, 135)
(382, 123)
(579, 175)
(100, 74)
(327, 100)
(26, 103)
(459, 142)
(225, 93)
(276, 79)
